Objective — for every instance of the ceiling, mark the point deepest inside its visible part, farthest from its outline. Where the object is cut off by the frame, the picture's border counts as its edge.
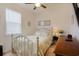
(49, 6)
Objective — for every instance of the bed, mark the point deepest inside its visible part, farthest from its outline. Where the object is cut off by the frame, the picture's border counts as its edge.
(32, 45)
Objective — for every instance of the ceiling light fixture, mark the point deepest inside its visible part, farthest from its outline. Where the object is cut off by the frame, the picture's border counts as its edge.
(37, 4)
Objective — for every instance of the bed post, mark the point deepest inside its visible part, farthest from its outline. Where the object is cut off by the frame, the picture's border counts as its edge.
(37, 46)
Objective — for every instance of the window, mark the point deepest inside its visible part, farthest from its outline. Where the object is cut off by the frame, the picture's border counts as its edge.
(13, 22)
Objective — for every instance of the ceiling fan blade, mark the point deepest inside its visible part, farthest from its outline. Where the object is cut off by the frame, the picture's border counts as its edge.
(34, 8)
(43, 6)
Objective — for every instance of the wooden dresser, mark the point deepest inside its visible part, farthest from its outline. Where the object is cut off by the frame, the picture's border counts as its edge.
(67, 48)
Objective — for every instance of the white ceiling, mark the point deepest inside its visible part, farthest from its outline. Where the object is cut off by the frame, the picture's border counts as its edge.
(49, 6)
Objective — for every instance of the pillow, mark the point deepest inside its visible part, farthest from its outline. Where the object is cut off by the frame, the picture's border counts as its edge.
(41, 33)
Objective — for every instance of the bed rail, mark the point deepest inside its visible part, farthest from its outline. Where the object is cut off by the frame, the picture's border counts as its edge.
(22, 45)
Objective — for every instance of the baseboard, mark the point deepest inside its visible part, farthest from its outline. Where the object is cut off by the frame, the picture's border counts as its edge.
(7, 52)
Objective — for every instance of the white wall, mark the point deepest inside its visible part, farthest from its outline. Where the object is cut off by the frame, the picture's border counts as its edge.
(27, 16)
(74, 29)
(61, 16)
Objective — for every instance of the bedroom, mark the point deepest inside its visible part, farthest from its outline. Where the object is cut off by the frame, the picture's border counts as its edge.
(35, 24)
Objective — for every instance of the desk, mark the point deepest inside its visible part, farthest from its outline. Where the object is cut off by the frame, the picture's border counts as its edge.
(67, 48)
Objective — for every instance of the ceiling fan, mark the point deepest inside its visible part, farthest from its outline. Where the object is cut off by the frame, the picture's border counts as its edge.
(36, 5)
